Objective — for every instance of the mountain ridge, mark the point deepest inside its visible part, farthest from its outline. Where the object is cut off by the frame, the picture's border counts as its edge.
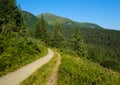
(52, 19)
(29, 19)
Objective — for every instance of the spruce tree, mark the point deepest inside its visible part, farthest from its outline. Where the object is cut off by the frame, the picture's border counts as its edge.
(41, 30)
(10, 17)
(58, 39)
(77, 43)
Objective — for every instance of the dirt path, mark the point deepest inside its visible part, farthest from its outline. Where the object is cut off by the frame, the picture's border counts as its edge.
(54, 76)
(14, 78)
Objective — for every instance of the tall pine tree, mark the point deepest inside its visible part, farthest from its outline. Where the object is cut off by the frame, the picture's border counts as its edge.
(77, 43)
(41, 30)
(10, 17)
(58, 39)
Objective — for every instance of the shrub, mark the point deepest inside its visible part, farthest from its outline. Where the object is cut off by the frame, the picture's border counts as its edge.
(111, 64)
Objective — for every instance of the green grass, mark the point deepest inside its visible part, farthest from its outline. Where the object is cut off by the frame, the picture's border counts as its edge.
(41, 76)
(79, 71)
(15, 52)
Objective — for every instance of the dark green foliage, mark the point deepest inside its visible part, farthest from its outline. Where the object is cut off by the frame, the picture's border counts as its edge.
(1, 44)
(10, 17)
(58, 39)
(41, 30)
(16, 49)
(101, 44)
(111, 65)
(77, 43)
(15, 52)
(37, 32)
(30, 20)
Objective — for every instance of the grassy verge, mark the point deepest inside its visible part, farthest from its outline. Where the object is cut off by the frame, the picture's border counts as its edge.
(15, 52)
(78, 71)
(41, 76)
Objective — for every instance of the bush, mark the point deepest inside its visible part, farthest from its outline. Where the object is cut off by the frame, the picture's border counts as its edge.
(15, 52)
(111, 64)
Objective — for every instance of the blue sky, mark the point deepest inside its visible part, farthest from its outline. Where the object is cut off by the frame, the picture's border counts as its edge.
(102, 12)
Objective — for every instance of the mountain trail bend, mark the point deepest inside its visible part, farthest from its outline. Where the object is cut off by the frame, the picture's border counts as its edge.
(16, 77)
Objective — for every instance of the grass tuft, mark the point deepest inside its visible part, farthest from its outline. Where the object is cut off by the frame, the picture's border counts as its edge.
(80, 71)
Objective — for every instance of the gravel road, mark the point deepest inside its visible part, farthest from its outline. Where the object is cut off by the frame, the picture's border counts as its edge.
(16, 77)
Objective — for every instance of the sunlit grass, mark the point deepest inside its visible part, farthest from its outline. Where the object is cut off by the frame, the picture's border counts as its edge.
(79, 71)
(42, 75)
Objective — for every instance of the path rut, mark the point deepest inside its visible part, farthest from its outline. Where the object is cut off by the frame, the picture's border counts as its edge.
(54, 77)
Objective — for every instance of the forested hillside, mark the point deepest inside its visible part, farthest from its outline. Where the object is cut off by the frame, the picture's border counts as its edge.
(16, 48)
(102, 44)
(29, 19)
(90, 53)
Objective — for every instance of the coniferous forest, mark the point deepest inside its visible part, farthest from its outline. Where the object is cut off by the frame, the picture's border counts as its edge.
(25, 37)
(16, 49)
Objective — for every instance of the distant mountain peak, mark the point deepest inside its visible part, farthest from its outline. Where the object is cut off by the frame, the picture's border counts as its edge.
(52, 19)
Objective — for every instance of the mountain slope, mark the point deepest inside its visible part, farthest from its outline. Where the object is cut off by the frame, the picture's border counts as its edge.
(102, 44)
(52, 19)
(80, 71)
(29, 19)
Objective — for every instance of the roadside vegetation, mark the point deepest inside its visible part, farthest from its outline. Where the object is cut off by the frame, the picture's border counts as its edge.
(19, 52)
(42, 75)
(80, 71)
(16, 48)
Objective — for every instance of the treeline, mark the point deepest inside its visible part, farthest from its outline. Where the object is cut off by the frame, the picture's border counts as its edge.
(103, 47)
(57, 39)
(98, 45)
